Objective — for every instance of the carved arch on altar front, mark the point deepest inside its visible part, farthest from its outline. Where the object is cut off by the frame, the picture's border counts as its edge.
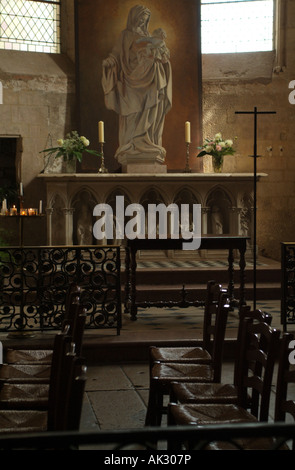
(57, 219)
(219, 204)
(111, 200)
(83, 203)
(153, 195)
(187, 195)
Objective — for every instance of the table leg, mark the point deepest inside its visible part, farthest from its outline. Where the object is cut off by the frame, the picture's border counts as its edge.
(133, 308)
(127, 280)
(231, 274)
(242, 276)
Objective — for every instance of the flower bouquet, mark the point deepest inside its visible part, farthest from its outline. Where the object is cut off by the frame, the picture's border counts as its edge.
(71, 148)
(217, 148)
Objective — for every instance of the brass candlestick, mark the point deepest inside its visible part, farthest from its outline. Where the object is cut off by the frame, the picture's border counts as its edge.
(187, 168)
(102, 168)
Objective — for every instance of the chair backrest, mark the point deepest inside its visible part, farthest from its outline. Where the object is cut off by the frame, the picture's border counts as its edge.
(286, 375)
(256, 316)
(75, 394)
(65, 409)
(219, 334)
(211, 306)
(62, 344)
(78, 329)
(259, 345)
(73, 291)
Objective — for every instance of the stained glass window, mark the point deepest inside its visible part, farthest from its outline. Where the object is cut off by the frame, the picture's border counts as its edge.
(30, 25)
(237, 26)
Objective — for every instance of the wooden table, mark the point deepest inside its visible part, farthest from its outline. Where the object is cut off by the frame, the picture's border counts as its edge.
(208, 242)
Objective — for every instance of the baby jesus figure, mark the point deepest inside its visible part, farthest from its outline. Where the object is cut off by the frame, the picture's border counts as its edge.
(156, 45)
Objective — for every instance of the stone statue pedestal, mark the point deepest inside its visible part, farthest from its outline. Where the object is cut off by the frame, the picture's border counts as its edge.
(143, 164)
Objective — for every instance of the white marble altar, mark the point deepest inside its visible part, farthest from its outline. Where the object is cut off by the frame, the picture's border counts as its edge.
(226, 200)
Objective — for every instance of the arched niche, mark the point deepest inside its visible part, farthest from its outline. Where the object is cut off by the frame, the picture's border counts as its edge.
(219, 206)
(83, 204)
(186, 196)
(151, 196)
(58, 224)
(111, 200)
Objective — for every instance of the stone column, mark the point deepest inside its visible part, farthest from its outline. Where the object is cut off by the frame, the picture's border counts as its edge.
(68, 214)
(49, 212)
(205, 211)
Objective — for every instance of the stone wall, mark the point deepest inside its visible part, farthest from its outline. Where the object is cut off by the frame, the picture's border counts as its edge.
(39, 106)
(239, 83)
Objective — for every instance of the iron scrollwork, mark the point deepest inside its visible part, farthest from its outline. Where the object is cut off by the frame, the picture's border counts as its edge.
(288, 284)
(34, 283)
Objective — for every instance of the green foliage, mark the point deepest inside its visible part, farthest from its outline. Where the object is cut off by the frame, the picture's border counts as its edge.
(71, 148)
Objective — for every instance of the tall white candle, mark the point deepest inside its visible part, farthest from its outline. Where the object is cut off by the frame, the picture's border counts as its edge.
(188, 132)
(21, 189)
(4, 207)
(101, 132)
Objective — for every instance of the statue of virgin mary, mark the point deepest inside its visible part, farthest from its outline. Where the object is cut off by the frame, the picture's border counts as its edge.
(137, 84)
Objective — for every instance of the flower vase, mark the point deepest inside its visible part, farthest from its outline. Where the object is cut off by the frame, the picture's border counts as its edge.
(217, 164)
(69, 166)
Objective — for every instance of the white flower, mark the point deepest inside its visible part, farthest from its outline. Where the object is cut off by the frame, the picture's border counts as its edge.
(218, 136)
(60, 142)
(229, 143)
(208, 148)
(84, 141)
(222, 144)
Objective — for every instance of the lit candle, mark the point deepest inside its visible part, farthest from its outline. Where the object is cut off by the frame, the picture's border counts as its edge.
(101, 132)
(21, 190)
(13, 211)
(40, 207)
(23, 212)
(188, 132)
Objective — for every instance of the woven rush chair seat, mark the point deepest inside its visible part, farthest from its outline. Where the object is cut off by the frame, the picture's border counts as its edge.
(196, 354)
(182, 354)
(24, 373)
(163, 374)
(209, 414)
(219, 414)
(217, 392)
(20, 396)
(26, 356)
(13, 421)
(190, 392)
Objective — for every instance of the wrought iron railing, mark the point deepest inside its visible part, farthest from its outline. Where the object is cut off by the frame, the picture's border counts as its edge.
(288, 284)
(277, 435)
(34, 283)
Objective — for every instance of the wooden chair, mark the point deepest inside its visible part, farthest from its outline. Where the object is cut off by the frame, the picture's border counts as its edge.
(163, 374)
(284, 405)
(44, 356)
(19, 394)
(34, 372)
(202, 355)
(65, 402)
(218, 392)
(259, 379)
